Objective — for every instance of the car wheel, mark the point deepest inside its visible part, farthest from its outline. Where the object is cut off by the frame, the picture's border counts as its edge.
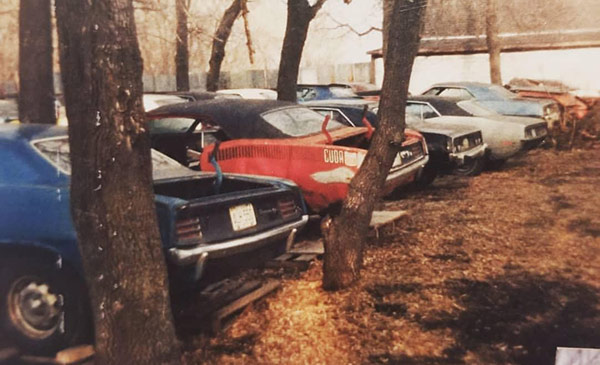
(42, 310)
(471, 167)
(495, 164)
(427, 175)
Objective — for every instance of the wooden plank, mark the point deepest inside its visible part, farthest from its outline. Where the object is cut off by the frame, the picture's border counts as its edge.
(242, 302)
(305, 257)
(383, 217)
(308, 247)
(284, 257)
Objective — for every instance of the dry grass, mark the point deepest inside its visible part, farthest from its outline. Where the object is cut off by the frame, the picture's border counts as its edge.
(497, 269)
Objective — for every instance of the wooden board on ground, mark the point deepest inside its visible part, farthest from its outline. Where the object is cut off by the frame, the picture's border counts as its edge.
(292, 261)
(219, 316)
(308, 247)
(382, 217)
(576, 356)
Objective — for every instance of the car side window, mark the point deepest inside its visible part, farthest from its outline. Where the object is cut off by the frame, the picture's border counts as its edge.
(456, 93)
(414, 110)
(335, 115)
(433, 91)
(428, 112)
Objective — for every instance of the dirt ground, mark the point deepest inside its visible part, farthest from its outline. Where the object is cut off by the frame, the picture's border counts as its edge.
(497, 269)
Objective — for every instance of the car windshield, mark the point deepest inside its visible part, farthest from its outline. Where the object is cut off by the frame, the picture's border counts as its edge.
(342, 92)
(298, 121)
(473, 107)
(56, 150)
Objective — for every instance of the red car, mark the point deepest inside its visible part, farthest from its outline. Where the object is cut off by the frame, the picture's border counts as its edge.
(273, 138)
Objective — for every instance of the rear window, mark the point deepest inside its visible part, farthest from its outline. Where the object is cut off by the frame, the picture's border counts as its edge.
(297, 122)
(56, 150)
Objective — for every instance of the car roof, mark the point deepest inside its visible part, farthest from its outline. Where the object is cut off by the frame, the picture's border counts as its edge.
(238, 118)
(30, 132)
(465, 84)
(444, 105)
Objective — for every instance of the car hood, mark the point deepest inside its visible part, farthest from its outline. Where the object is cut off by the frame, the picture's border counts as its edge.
(477, 122)
(525, 121)
(447, 129)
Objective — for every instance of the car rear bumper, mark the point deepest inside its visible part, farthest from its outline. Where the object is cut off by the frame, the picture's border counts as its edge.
(459, 158)
(188, 256)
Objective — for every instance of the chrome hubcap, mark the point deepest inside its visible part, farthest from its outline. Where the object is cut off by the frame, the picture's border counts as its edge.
(34, 308)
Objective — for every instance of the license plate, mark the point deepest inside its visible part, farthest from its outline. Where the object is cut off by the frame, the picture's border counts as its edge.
(242, 216)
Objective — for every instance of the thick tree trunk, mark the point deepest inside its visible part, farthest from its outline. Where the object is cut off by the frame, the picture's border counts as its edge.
(111, 183)
(299, 15)
(182, 57)
(36, 83)
(219, 41)
(493, 41)
(344, 236)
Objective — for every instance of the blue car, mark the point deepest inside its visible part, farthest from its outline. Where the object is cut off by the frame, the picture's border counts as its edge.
(44, 305)
(499, 99)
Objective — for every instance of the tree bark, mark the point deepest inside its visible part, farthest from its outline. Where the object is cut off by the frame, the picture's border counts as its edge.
(344, 236)
(36, 82)
(182, 57)
(493, 41)
(112, 201)
(299, 15)
(219, 41)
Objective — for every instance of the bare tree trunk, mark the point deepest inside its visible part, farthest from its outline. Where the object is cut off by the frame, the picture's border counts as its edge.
(36, 82)
(299, 15)
(344, 236)
(182, 57)
(112, 201)
(219, 41)
(493, 40)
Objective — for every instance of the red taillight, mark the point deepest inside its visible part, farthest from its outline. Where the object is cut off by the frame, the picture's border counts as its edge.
(287, 207)
(188, 229)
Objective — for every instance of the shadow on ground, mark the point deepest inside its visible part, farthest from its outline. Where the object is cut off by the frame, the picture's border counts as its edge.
(515, 318)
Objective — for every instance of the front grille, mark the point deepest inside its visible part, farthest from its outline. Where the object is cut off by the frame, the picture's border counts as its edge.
(535, 131)
(466, 142)
(409, 154)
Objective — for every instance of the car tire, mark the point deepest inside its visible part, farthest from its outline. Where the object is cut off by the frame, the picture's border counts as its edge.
(427, 175)
(495, 164)
(42, 309)
(471, 167)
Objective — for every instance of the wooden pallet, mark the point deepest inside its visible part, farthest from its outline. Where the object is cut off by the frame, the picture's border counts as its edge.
(219, 317)
(81, 355)
(292, 261)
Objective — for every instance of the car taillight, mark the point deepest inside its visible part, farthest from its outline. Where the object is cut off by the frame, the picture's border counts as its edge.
(188, 229)
(287, 207)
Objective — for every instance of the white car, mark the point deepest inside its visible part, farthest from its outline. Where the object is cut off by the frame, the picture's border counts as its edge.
(153, 101)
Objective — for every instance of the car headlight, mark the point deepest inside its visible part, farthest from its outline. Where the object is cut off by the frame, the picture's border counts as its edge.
(461, 144)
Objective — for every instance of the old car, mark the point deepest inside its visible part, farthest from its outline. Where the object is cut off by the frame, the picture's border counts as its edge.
(499, 99)
(44, 303)
(250, 93)
(310, 92)
(274, 138)
(452, 148)
(505, 136)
